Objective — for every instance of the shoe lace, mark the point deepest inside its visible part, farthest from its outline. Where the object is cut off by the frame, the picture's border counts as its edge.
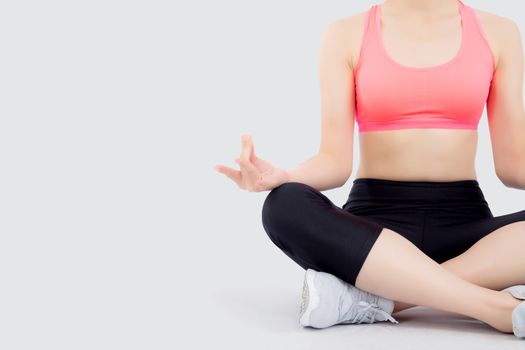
(367, 313)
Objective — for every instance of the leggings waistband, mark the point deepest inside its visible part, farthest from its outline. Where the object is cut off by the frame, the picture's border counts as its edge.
(402, 191)
(453, 183)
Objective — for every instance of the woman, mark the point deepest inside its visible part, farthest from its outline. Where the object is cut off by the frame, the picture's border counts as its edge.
(416, 229)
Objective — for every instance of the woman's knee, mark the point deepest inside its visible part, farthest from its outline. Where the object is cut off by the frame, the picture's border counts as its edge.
(284, 208)
(281, 199)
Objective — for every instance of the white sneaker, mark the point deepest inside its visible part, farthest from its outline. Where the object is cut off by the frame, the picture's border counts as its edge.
(328, 300)
(518, 314)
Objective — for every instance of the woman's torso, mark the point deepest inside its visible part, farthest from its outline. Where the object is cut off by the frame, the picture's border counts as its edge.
(430, 154)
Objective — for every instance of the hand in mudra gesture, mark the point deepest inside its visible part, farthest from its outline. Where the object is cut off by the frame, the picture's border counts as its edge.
(256, 174)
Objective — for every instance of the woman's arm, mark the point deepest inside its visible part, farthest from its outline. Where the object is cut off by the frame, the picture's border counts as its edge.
(322, 171)
(505, 113)
(332, 165)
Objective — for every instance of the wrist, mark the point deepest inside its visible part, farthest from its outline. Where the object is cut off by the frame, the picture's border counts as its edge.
(287, 175)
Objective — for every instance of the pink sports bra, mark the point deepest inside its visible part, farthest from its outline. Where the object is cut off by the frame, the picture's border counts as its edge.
(450, 95)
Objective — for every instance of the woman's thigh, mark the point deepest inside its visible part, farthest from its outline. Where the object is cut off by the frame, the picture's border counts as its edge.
(314, 232)
(408, 222)
(442, 219)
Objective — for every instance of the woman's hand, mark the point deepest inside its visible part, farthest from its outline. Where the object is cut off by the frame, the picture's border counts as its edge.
(256, 174)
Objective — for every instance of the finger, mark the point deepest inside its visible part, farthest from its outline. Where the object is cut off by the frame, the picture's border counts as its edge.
(256, 161)
(262, 165)
(258, 164)
(252, 149)
(233, 174)
(246, 149)
(247, 168)
(249, 174)
(249, 171)
(244, 159)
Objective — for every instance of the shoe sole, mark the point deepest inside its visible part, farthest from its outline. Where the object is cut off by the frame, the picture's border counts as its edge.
(310, 298)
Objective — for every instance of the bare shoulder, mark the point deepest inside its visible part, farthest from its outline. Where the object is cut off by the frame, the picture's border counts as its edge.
(501, 31)
(349, 31)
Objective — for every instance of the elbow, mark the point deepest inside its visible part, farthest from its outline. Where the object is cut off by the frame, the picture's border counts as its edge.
(344, 177)
(512, 179)
(340, 184)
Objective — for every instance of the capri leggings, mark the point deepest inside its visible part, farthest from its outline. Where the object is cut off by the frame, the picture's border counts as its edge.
(442, 218)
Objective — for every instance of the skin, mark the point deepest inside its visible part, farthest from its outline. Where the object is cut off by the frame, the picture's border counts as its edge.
(470, 283)
(398, 154)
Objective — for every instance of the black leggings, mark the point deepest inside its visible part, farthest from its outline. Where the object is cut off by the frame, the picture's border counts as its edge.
(442, 218)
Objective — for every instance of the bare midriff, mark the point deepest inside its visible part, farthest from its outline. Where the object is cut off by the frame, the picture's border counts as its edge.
(418, 154)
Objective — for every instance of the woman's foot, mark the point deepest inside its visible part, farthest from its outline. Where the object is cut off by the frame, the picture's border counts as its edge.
(328, 300)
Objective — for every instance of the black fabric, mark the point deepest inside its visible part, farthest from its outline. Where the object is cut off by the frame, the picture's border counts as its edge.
(442, 218)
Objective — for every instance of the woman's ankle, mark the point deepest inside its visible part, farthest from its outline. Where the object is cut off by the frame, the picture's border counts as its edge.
(400, 306)
(500, 314)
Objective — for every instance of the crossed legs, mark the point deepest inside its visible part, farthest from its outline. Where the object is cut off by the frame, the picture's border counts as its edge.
(411, 277)
(308, 227)
(492, 262)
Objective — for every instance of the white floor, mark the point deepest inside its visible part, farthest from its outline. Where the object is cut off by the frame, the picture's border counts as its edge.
(263, 317)
(256, 306)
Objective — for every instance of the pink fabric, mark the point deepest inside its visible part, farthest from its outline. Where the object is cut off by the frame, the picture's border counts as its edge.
(451, 95)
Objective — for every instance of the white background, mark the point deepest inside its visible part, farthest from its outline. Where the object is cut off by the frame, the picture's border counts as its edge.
(116, 231)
